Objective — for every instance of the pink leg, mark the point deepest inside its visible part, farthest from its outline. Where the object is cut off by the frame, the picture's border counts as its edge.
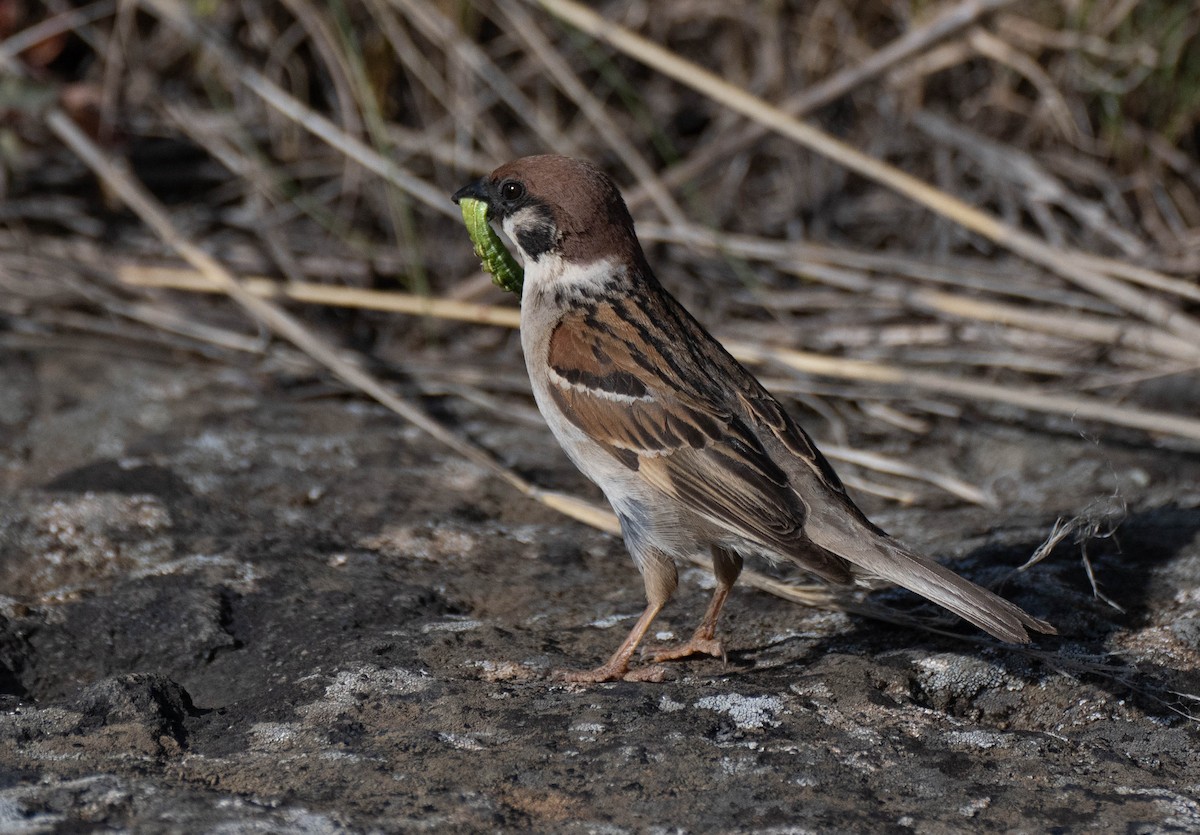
(726, 567)
(658, 573)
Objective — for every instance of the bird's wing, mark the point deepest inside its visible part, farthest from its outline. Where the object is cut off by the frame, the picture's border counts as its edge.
(667, 401)
(618, 376)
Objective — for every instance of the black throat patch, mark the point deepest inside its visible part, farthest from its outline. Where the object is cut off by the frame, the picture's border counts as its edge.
(538, 235)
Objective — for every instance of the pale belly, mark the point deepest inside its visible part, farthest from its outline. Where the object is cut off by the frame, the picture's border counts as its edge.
(648, 518)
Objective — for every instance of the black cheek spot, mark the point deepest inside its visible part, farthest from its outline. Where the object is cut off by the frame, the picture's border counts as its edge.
(537, 239)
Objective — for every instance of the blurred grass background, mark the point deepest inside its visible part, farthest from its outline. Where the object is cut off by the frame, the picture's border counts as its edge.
(317, 143)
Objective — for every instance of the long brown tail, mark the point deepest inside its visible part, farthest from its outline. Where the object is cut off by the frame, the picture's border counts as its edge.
(882, 557)
(989, 612)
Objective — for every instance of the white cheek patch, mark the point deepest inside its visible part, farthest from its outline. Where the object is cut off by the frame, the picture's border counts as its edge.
(509, 227)
(510, 239)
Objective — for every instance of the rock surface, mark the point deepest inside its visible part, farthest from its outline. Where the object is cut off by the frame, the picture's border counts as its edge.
(226, 605)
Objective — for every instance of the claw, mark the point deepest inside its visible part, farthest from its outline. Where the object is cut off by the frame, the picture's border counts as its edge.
(696, 646)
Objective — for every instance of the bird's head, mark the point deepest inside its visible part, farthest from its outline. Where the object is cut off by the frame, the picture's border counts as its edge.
(555, 206)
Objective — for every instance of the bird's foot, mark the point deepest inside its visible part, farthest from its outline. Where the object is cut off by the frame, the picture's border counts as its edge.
(611, 672)
(696, 646)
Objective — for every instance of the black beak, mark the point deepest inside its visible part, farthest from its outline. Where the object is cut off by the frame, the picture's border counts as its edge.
(476, 190)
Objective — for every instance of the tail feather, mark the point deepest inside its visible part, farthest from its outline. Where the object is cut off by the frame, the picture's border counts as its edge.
(881, 557)
(990, 612)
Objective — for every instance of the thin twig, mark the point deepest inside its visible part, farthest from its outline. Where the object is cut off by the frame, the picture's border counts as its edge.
(66, 21)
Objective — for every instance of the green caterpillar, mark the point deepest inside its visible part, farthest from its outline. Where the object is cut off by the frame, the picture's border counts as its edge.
(497, 260)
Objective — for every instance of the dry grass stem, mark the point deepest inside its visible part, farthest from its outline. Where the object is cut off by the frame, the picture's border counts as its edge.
(849, 270)
(882, 463)
(137, 275)
(1071, 406)
(1132, 299)
(1081, 407)
(955, 18)
(290, 107)
(51, 27)
(1065, 324)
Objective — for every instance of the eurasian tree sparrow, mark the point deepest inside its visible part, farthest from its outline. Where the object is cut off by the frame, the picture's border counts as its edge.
(689, 448)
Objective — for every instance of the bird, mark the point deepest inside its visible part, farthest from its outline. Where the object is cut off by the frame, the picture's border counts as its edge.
(689, 449)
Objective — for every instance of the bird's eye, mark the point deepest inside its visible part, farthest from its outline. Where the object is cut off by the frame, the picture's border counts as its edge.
(511, 190)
